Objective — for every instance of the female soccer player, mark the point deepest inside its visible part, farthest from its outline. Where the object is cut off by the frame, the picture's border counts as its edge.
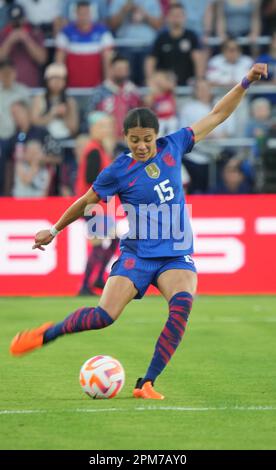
(145, 176)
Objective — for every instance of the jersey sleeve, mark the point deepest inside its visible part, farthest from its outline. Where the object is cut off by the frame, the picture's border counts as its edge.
(184, 139)
(107, 40)
(62, 41)
(106, 184)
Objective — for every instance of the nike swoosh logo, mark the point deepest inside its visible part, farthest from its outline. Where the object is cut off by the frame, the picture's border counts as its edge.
(132, 183)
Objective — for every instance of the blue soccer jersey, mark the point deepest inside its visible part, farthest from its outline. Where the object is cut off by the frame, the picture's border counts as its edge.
(153, 197)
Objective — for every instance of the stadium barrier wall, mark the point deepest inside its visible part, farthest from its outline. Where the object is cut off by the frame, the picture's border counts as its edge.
(234, 244)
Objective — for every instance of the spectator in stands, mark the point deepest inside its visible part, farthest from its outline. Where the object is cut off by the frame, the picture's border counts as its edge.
(99, 10)
(267, 182)
(161, 99)
(69, 176)
(259, 124)
(198, 106)
(81, 142)
(24, 46)
(10, 92)
(200, 16)
(98, 152)
(26, 133)
(239, 18)
(134, 21)
(32, 176)
(4, 12)
(43, 14)
(199, 161)
(232, 179)
(176, 49)
(58, 113)
(96, 155)
(54, 109)
(270, 58)
(268, 10)
(230, 66)
(85, 47)
(117, 95)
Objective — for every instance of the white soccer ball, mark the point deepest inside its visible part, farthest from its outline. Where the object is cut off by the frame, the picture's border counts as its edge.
(102, 377)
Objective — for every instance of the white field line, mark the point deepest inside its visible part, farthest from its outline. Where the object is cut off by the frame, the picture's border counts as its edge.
(143, 408)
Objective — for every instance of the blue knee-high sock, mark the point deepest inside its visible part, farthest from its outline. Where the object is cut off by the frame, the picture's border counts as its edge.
(83, 319)
(179, 309)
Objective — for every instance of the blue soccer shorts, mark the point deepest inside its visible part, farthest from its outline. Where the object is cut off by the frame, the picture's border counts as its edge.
(145, 271)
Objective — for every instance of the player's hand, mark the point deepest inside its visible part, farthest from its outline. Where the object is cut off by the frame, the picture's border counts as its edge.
(257, 72)
(44, 237)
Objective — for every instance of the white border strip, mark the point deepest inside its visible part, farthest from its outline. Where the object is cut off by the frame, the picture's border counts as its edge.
(142, 408)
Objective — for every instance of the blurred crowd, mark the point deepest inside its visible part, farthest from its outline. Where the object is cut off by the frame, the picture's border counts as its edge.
(70, 71)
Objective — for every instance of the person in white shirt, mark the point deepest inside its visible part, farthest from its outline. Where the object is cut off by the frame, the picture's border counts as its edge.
(228, 67)
(31, 176)
(200, 104)
(44, 14)
(10, 92)
(198, 162)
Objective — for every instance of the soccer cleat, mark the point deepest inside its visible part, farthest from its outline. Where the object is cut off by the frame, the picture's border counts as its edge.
(146, 391)
(28, 340)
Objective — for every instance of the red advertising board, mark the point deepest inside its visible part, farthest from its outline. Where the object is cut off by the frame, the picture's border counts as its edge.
(235, 249)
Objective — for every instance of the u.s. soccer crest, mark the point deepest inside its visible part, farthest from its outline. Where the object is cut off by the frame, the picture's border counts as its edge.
(152, 170)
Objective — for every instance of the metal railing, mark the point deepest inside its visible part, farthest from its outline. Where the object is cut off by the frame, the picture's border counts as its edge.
(210, 41)
(239, 142)
(180, 90)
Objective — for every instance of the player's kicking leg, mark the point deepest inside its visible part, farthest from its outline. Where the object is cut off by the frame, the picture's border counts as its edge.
(116, 295)
(178, 287)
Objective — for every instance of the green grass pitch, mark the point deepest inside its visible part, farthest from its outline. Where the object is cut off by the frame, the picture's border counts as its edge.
(220, 386)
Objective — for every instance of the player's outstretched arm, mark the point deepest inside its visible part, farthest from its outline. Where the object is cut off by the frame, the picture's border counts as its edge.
(225, 107)
(76, 210)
